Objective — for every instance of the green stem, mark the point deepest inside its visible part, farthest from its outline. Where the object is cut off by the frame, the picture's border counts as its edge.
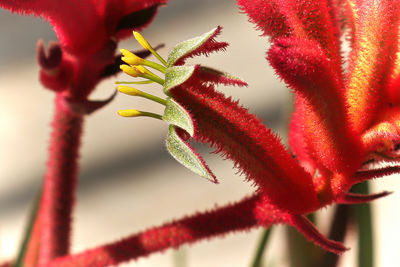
(257, 261)
(338, 230)
(362, 214)
(302, 253)
(28, 231)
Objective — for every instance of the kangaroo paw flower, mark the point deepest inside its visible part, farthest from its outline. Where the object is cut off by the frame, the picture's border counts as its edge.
(228, 127)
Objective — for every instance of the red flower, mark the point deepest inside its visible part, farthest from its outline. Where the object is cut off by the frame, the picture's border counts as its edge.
(88, 32)
(286, 188)
(344, 117)
(343, 121)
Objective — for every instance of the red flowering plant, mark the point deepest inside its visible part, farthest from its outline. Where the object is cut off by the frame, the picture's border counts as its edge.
(88, 33)
(346, 121)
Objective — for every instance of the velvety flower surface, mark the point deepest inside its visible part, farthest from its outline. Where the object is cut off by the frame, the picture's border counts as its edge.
(334, 138)
(86, 26)
(345, 116)
(287, 189)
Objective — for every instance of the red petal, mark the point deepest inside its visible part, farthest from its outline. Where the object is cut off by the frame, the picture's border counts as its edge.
(76, 22)
(123, 16)
(82, 26)
(330, 140)
(256, 151)
(372, 59)
(372, 174)
(316, 20)
(383, 137)
(298, 140)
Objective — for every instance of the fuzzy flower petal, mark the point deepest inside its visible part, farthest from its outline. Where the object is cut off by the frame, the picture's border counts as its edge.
(372, 58)
(314, 20)
(308, 71)
(256, 151)
(201, 45)
(86, 26)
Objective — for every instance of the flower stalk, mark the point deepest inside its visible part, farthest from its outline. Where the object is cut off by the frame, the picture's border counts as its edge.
(60, 183)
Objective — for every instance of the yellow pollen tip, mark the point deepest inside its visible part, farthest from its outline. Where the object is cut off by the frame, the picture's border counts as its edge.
(130, 58)
(129, 113)
(143, 42)
(130, 70)
(141, 69)
(129, 90)
(126, 52)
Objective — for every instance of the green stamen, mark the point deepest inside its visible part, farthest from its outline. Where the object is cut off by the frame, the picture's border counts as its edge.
(138, 82)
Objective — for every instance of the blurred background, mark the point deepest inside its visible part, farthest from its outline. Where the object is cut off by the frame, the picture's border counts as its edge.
(128, 182)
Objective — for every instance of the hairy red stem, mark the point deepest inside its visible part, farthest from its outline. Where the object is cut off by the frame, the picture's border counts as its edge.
(242, 215)
(59, 183)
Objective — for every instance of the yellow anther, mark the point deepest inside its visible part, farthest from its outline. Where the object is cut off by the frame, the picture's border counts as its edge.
(130, 58)
(129, 113)
(129, 90)
(126, 52)
(138, 113)
(130, 70)
(143, 42)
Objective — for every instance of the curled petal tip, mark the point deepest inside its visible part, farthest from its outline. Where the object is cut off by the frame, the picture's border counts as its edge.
(51, 58)
(351, 198)
(87, 107)
(304, 226)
